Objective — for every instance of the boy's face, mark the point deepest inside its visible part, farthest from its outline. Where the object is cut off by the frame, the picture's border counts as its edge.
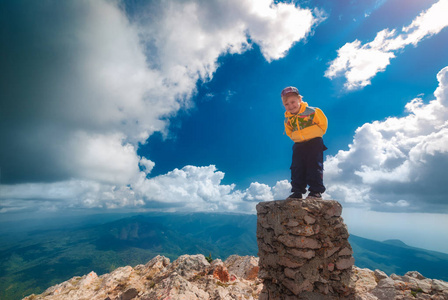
(291, 102)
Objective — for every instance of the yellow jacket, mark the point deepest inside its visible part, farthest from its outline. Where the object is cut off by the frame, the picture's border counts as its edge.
(308, 123)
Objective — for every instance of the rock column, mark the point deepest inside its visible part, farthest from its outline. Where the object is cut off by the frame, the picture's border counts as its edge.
(304, 250)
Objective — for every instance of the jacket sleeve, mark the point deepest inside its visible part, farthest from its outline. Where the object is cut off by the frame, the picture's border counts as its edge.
(288, 128)
(321, 120)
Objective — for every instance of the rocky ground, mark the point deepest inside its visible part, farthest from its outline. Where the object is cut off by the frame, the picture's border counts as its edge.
(373, 285)
(193, 277)
(188, 277)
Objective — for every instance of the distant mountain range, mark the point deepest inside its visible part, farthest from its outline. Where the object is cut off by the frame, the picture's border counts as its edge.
(394, 256)
(32, 260)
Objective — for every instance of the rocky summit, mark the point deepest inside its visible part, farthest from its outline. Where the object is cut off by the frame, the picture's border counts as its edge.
(192, 277)
(188, 277)
(304, 253)
(376, 285)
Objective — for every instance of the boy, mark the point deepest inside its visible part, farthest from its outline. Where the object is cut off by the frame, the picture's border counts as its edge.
(305, 126)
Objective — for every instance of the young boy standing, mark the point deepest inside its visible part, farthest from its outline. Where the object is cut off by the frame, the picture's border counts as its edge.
(305, 126)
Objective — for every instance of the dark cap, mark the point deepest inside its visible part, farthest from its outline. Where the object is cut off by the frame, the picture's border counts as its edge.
(289, 89)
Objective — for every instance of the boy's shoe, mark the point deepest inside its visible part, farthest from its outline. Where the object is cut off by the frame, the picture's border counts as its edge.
(295, 195)
(314, 195)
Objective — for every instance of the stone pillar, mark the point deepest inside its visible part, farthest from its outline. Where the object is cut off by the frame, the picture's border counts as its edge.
(304, 250)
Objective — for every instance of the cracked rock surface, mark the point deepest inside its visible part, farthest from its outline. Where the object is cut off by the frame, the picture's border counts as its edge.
(189, 277)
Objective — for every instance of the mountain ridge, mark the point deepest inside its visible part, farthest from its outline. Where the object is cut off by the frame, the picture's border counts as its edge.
(33, 261)
(396, 242)
(192, 277)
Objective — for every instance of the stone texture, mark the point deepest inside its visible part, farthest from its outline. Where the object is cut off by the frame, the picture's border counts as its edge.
(439, 285)
(303, 250)
(308, 254)
(345, 263)
(379, 275)
(346, 252)
(377, 285)
(245, 267)
(304, 254)
(219, 271)
(190, 277)
(160, 279)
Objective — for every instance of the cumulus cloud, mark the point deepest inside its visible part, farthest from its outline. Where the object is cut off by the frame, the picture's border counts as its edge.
(259, 192)
(398, 164)
(82, 90)
(77, 96)
(267, 20)
(102, 77)
(191, 188)
(359, 63)
(66, 194)
(281, 190)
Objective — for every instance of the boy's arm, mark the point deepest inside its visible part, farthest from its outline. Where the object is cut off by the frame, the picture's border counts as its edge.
(288, 128)
(321, 120)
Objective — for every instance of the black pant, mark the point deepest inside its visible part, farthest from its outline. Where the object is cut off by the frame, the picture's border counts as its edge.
(307, 166)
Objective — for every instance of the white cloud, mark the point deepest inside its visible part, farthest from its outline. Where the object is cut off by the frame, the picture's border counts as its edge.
(98, 74)
(147, 165)
(188, 189)
(66, 194)
(399, 203)
(360, 63)
(267, 20)
(189, 184)
(103, 157)
(281, 190)
(399, 163)
(83, 90)
(259, 192)
(89, 96)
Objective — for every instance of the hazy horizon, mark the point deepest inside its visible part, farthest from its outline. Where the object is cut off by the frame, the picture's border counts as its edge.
(391, 228)
(174, 106)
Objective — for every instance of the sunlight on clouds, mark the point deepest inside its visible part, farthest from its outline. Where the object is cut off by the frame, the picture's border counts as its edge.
(147, 165)
(353, 196)
(117, 79)
(188, 189)
(399, 203)
(404, 158)
(427, 23)
(360, 63)
(371, 175)
(294, 23)
(281, 190)
(200, 189)
(60, 195)
(106, 158)
(189, 184)
(259, 192)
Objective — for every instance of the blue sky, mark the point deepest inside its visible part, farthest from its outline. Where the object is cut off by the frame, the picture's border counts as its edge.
(174, 106)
